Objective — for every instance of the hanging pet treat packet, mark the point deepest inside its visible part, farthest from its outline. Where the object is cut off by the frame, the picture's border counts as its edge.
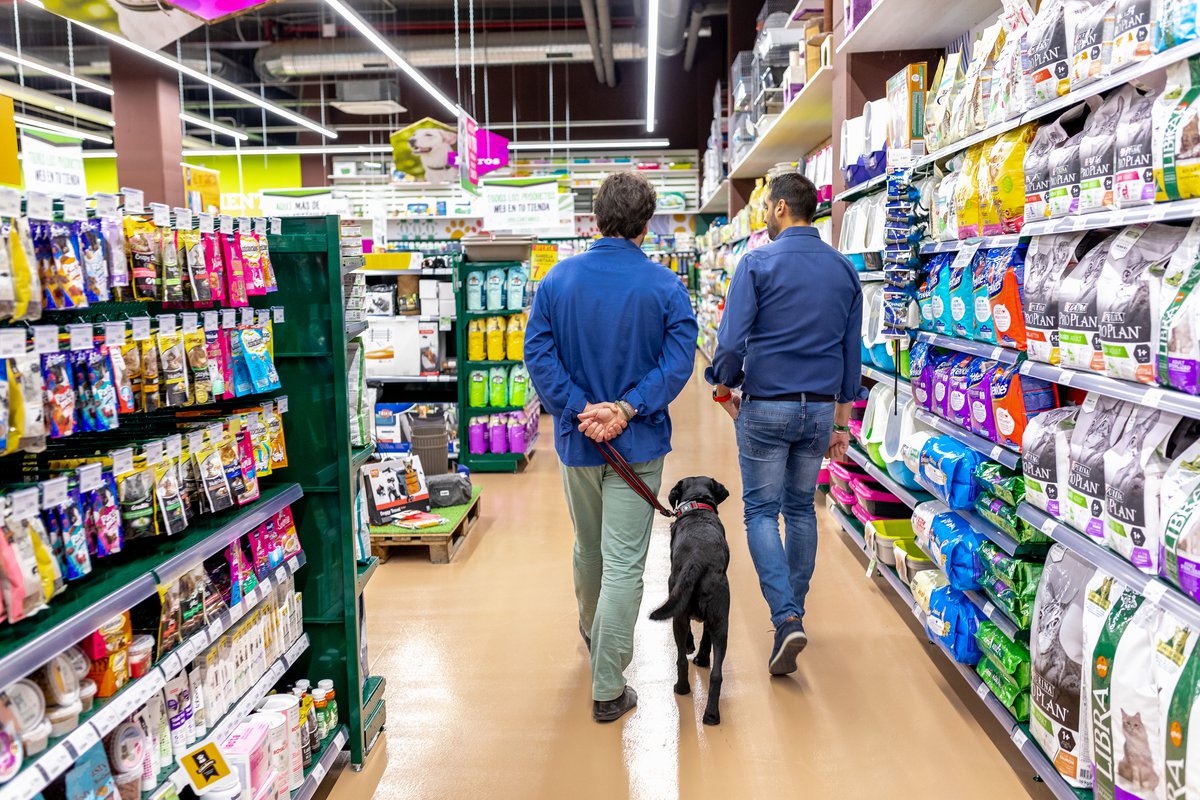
(24, 594)
(71, 291)
(1098, 428)
(1133, 32)
(151, 375)
(167, 495)
(215, 265)
(259, 365)
(196, 350)
(1129, 292)
(252, 264)
(235, 275)
(27, 402)
(270, 281)
(102, 517)
(1135, 184)
(1097, 151)
(215, 361)
(1178, 346)
(191, 255)
(1091, 50)
(113, 231)
(75, 540)
(170, 269)
(248, 462)
(1176, 137)
(278, 445)
(59, 388)
(1078, 311)
(174, 370)
(1047, 260)
(27, 284)
(135, 492)
(105, 403)
(141, 237)
(93, 254)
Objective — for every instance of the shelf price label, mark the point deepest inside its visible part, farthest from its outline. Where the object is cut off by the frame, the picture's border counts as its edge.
(174, 445)
(982, 690)
(141, 328)
(166, 324)
(12, 342)
(39, 206)
(247, 316)
(54, 492)
(190, 322)
(1154, 591)
(281, 403)
(114, 334)
(106, 206)
(205, 221)
(277, 314)
(81, 336)
(228, 318)
(226, 224)
(153, 452)
(260, 226)
(212, 320)
(135, 200)
(244, 224)
(161, 214)
(184, 220)
(122, 461)
(45, 339)
(74, 208)
(10, 202)
(262, 318)
(91, 477)
(276, 226)
(24, 504)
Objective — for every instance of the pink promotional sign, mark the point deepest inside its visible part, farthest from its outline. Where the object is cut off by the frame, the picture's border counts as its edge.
(215, 10)
(486, 152)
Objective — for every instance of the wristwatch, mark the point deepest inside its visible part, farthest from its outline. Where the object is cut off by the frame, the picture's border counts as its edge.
(722, 398)
(841, 428)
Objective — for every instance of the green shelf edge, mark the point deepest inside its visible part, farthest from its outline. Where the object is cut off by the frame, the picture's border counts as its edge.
(359, 456)
(486, 314)
(316, 773)
(502, 362)
(365, 570)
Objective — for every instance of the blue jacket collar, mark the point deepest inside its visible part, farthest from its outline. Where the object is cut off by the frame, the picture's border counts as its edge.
(798, 230)
(615, 242)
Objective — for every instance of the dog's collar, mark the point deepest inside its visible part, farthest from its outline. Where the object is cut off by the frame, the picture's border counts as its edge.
(693, 505)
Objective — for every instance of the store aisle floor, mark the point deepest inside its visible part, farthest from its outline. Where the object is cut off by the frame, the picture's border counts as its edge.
(488, 690)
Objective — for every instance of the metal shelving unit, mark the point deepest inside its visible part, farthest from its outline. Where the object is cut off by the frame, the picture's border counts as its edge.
(800, 127)
(890, 378)
(862, 189)
(954, 245)
(910, 498)
(330, 748)
(1005, 355)
(999, 453)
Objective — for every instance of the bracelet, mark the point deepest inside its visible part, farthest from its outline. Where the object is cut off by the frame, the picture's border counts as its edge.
(841, 428)
(626, 409)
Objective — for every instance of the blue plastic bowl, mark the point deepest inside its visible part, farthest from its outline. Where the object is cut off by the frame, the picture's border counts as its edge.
(902, 475)
(881, 356)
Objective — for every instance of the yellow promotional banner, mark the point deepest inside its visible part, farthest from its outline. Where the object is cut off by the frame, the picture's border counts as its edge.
(543, 258)
(202, 187)
(10, 168)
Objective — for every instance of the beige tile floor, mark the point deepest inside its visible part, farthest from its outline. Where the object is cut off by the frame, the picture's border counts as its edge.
(488, 687)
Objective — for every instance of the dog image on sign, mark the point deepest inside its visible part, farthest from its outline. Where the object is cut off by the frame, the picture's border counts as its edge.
(423, 150)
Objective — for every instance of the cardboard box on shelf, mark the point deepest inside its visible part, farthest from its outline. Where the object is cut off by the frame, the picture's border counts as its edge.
(446, 291)
(407, 294)
(392, 347)
(446, 307)
(429, 288)
(430, 307)
(430, 348)
(906, 99)
(814, 38)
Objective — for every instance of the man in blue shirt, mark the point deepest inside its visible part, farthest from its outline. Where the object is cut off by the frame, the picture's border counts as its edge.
(609, 344)
(790, 339)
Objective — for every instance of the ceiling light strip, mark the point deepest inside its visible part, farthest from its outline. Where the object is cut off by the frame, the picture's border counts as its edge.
(651, 63)
(35, 123)
(216, 83)
(192, 119)
(38, 66)
(368, 149)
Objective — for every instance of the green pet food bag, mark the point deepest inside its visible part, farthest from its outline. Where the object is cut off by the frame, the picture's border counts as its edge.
(477, 388)
(1013, 657)
(1001, 482)
(1015, 700)
(518, 382)
(498, 387)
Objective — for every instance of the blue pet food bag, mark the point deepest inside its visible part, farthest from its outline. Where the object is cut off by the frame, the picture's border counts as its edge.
(953, 620)
(942, 323)
(985, 330)
(948, 468)
(925, 292)
(962, 299)
(959, 551)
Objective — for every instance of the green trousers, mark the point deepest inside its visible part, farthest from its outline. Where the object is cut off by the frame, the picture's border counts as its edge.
(612, 535)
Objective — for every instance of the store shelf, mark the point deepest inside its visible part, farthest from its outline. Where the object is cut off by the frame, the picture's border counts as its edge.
(384, 273)
(894, 25)
(1116, 218)
(486, 314)
(963, 144)
(862, 189)
(356, 329)
(997, 615)
(360, 455)
(718, 201)
(495, 462)
(871, 277)
(985, 242)
(1004, 455)
(1000, 538)
(413, 379)
(365, 570)
(1005, 355)
(503, 362)
(849, 527)
(909, 497)
(322, 763)
(890, 378)
(803, 124)
(108, 592)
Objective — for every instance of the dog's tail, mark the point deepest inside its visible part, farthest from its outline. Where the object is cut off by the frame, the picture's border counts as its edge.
(681, 593)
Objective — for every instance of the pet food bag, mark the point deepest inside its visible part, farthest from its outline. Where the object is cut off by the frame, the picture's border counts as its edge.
(496, 329)
(1003, 163)
(1016, 399)
(948, 467)
(967, 195)
(1129, 296)
(953, 620)
(1006, 282)
(945, 217)
(1062, 196)
(1097, 151)
(956, 550)
(1135, 185)
(940, 294)
(1091, 49)
(1037, 167)
(1133, 32)
(1179, 503)
(515, 288)
(1176, 23)
(928, 514)
(1045, 459)
(1049, 52)
(1048, 259)
(1178, 345)
(1001, 482)
(958, 409)
(1058, 720)
(1078, 312)
(514, 337)
(477, 388)
(985, 330)
(494, 289)
(979, 399)
(962, 301)
(1133, 474)
(1177, 675)
(1099, 426)
(925, 290)
(938, 99)
(498, 386)
(1177, 133)
(474, 284)
(1011, 657)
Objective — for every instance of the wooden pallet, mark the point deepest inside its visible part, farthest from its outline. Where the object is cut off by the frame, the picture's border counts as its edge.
(442, 544)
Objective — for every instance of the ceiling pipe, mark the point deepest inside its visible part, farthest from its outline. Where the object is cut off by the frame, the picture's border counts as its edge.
(589, 20)
(672, 22)
(693, 32)
(604, 17)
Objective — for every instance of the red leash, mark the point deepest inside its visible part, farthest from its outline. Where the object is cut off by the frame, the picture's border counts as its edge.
(618, 463)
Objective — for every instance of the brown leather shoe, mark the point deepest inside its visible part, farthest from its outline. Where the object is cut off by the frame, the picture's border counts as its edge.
(613, 710)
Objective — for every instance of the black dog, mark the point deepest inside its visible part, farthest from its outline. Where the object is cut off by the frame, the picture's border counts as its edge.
(698, 587)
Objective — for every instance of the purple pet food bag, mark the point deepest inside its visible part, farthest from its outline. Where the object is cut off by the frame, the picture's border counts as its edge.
(477, 435)
(958, 410)
(518, 433)
(979, 395)
(498, 433)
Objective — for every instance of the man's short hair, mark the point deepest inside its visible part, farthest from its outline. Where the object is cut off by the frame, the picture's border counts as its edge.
(624, 205)
(798, 192)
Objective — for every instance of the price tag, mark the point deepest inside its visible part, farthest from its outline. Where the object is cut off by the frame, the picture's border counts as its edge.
(871, 566)
(247, 317)
(444, 323)
(1065, 376)
(174, 445)
(74, 208)
(187, 651)
(39, 206)
(161, 214)
(45, 339)
(966, 253)
(215, 432)
(277, 314)
(135, 200)
(262, 318)
(190, 322)
(152, 682)
(276, 226)
(281, 403)
(10, 203)
(171, 665)
(56, 760)
(244, 225)
(1019, 738)
(166, 324)
(122, 461)
(226, 224)
(114, 334)
(12, 342)
(318, 772)
(106, 206)
(281, 575)
(83, 738)
(989, 609)
(141, 328)
(1048, 526)
(982, 690)
(1153, 398)
(28, 784)
(1154, 591)
(54, 492)
(260, 226)
(916, 609)
(24, 504)
(184, 220)
(91, 477)
(82, 336)
(195, 441)
(212, 320)
(153, 452)
(205, 221)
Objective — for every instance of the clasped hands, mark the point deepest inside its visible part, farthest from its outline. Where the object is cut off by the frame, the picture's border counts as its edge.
(602, 422)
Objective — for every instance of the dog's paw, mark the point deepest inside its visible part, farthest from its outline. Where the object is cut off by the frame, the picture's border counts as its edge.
(700, 661)
(683, 687)
(712, 718)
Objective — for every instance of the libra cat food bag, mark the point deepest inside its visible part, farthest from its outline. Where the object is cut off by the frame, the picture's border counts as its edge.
(1179, 504)
(1006, 289)
(1037, 168)
(1133, 32)
(1176, 142)
(1092, 42)
(1100, 424)
(1045, 459)
(1097, 151)
(1129, 300)
(1049, 52)
(1078, 312)
(962, 301)
(1126, 725)
(1048, 259)
(1177, 675)
(979, 399)
(1135, 153)
(1133, 473)
(1016, 399)
(1058, 720)
(1178, 342)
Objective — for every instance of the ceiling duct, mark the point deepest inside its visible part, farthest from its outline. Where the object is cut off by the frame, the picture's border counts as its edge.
(308, 58)
(95, 60)
(672, 22)
(368, 98)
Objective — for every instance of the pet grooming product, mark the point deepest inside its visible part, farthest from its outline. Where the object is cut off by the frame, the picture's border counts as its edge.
(289, 706)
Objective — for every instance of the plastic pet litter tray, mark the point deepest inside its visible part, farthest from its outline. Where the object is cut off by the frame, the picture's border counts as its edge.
(888, 532)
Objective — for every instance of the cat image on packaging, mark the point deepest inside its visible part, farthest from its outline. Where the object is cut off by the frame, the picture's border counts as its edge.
(1049, 257)
(1045, 459)
(1100, 424)
(1078, 313)
(1178, 344)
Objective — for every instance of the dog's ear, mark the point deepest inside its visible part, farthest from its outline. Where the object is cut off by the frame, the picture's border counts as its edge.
(676, 494)
(450, 137)
(719, 493)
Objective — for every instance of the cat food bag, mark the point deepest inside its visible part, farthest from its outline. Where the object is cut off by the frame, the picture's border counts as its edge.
(1097, 151)
(1058, 719)
(979, 399)
(968, 111)
(1133, 32)
(1078, 311)
(1177, 675)
(981, 266)
(1048, 259)
(1091, 49)
(944, 217)
(1176, 141)
(1129, 300)
(1016, 399)
(1037, 167)
(59, 387)
(1179, 503)
(1003, 163)
(962, 301)
(937, 104)
(1178, 344)
(170, 269)
(1062, 196)
(940, 300)
(1045, 458)
(1133, 475)
(141, 235)
(1049, 52)
(967, 200)
(1135, 153)
(925, 291)
(1006, 281)
(1098, 428)
(1176, 23)
(957, 406)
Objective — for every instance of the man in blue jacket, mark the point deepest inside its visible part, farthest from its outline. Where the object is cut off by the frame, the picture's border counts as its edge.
(609, 344)
(790, 339)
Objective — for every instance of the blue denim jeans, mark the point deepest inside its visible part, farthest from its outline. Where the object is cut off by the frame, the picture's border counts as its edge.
(780, 448)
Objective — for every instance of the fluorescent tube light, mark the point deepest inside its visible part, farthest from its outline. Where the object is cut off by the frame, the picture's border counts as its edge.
(381, 44)
(39, 66)
(192, 119)
(34, 123)
(216, 83)
(651, 63)
(369, 149)
(594, 144)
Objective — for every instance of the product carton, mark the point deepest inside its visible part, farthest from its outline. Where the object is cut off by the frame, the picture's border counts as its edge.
(392, 347)
(393, 487)
(906, 97)
(430, 346)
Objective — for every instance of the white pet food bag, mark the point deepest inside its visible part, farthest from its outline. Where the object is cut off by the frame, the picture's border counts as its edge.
(1057, 719)
(1133, 32)
(1103, 592)
(1078, 313)
(1133, 472)
(1177, 675)
(1037, 169)
(1129, 297)
(1092, 50)
(1062, 198)
(922, 520)
(945, 215)
(1048, 259)
(1100, 424)
(1178, 343)
(1046, 458)
(967, 103)
(1126, 722)
(1097, 151)
(1049, 53)
(1179, 509)
(1135, 153)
